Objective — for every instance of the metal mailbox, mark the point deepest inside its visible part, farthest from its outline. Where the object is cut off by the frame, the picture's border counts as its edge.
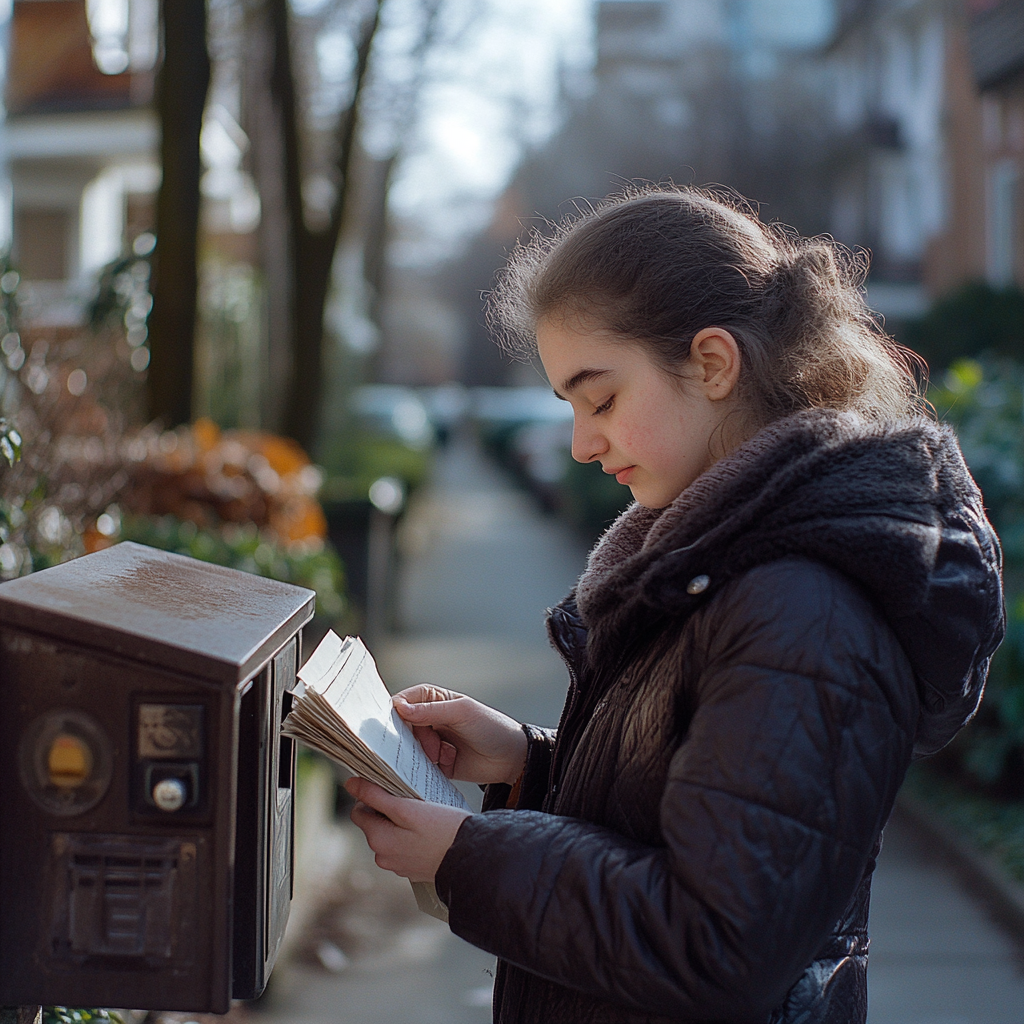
(146, 792)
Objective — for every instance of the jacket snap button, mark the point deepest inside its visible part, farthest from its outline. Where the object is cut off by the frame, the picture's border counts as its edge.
(698, 584)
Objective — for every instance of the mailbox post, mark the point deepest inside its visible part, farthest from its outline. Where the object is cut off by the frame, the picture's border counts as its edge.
(146, 793)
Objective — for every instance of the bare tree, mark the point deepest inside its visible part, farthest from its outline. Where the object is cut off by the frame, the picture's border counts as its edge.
(298, 245)
(181, 96)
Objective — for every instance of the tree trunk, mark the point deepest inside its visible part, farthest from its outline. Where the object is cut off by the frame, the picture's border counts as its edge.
(312, 249)
(181, 96)
(263, 124)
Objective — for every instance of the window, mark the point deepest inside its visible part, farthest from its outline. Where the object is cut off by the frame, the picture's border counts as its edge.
(1002, 214)
(41, 244)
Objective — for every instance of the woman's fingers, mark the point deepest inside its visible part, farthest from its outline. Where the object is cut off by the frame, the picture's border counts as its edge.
(394, 808)
(409, 837)
(473, 740)
(382, 835)
(447, 754)
(450, 712)
(423, 693)
(429, 740)
(368, 820)
(438, 750)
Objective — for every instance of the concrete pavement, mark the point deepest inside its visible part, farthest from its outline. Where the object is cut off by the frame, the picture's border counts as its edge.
(936, 955)
(481, 564)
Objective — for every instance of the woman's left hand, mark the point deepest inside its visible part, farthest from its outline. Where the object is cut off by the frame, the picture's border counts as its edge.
(409, 837)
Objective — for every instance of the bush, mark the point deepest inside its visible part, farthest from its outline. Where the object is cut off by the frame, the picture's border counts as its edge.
(65, 1015)
(241, 546)
(973, 320)
(352, 462)
(591, 499)
(984, 399)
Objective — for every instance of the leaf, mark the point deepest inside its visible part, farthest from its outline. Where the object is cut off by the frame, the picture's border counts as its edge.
(10, 442)
(964, 376)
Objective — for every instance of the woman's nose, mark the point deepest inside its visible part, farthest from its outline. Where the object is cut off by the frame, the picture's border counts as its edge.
(587, 442)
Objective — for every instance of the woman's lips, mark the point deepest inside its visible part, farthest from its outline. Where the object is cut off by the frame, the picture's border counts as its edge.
(624, 475)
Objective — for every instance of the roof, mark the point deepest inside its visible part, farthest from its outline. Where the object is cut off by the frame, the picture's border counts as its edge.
(51, 65)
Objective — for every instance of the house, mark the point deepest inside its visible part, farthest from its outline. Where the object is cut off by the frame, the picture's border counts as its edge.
(906, 165)
(997, 57)
(79, 143)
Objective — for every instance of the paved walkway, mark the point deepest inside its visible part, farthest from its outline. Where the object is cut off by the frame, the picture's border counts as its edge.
(936, 956)
(481, 565)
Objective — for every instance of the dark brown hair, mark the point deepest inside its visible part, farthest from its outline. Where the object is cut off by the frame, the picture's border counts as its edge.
(658, 264)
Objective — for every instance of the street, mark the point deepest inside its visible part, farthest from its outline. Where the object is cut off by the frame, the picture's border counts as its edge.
(480, 565)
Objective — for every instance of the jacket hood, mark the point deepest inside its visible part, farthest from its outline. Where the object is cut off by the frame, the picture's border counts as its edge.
(893, 507)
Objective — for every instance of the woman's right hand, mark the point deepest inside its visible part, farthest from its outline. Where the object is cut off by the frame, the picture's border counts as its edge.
(467, 740)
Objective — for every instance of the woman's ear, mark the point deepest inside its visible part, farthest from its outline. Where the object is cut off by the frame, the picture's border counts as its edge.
(716, 362)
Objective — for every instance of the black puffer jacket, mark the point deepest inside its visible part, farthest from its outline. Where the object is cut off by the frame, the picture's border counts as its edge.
(751, 671)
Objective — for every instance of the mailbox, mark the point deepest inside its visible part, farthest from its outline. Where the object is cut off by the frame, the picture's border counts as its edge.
(146, 792)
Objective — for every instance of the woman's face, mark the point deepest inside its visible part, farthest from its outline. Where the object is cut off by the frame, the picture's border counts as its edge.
(651, 431)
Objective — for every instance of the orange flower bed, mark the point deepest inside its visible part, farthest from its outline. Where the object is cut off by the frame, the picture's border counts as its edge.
(211, 477)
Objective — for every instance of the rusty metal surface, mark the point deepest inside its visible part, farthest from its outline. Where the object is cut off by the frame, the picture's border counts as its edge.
(162, 608)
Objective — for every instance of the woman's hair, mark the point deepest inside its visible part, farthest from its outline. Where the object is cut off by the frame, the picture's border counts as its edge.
(658, 264)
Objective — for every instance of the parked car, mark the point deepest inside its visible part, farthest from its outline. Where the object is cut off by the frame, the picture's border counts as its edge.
(393, 411)
(529, 430)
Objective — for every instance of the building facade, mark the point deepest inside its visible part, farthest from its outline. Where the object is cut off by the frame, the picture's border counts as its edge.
(926, 158)
(79, 142)
(997, 53)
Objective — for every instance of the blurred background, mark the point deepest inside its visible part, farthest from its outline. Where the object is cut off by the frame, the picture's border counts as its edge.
(242, 250)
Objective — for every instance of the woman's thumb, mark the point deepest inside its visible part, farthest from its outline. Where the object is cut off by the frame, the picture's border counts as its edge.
(378, 799)
(436, 712)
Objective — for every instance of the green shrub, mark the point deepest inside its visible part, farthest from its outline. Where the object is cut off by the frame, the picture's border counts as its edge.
(995, 826)
(984, 400)
(354, 460)
(975, 319)
(243, 547)
(591, 499)
(64, 1015)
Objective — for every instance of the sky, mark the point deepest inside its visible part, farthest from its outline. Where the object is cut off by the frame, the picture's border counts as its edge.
(496, 87)
(489, 96)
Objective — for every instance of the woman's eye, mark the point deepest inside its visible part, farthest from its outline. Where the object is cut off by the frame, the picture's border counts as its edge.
(605, 406)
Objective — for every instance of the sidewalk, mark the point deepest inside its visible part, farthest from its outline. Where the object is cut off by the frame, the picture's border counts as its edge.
(481, 564)
(936, 956)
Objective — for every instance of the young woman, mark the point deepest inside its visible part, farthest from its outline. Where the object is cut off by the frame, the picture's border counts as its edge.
(804, 597)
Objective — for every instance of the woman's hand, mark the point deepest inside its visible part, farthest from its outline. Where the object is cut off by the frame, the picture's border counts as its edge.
(466, 739)
(409, 837)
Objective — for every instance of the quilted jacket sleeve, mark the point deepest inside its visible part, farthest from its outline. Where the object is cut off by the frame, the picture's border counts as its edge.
(802, 732)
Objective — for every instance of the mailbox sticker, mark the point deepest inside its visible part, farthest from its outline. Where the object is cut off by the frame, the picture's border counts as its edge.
(65, 761)
(170, 730)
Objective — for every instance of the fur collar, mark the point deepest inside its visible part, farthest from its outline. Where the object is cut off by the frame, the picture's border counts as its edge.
(891, 506)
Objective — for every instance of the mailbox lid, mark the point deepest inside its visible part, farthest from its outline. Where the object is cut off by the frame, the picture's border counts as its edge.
(166, 609)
